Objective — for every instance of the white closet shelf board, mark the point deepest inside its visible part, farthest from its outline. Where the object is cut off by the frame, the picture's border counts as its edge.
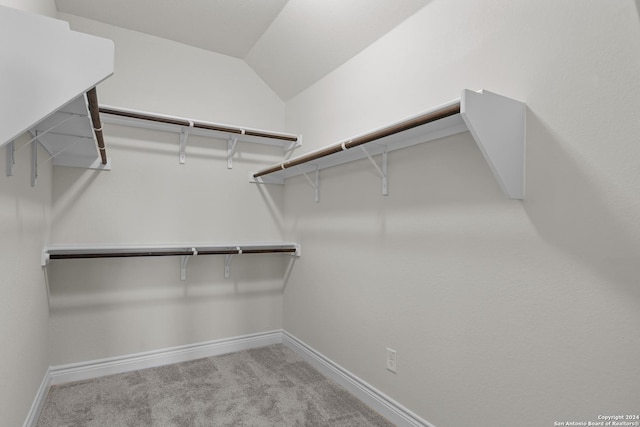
(497, 124)
(185, 127)
(185, 250)
(176, 124)
(80, 251)
(45, 66)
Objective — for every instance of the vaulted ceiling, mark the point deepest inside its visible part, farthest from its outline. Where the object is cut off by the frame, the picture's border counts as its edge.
(291, 44)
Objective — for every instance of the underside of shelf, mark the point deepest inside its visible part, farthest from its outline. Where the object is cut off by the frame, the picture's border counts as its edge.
(497, 124)
(68, 136)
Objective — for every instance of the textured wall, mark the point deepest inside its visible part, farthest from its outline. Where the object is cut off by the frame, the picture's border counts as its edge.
(502, 312)
(103, 308)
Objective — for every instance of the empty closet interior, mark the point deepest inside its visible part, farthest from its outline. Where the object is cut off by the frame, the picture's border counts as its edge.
(444, 221)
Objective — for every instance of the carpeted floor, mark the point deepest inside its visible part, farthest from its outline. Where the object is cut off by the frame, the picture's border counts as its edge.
(268, 386)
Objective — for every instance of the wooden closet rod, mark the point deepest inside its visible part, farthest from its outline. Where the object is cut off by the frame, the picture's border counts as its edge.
(92, 99)
(123, 254)
(370, 137)
(198, 125)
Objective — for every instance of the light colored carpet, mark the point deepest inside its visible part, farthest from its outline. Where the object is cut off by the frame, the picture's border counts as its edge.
(268, 386)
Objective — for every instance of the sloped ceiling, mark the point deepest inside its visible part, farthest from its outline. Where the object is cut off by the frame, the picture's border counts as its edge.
(291, 44)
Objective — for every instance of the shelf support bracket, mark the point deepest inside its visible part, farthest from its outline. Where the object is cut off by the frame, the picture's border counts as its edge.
(34, 163)
(227, 262)
(231, 149)
(184, 262)
(44, 259)
(314, 183)
(11, 158)
(288, 151)
(183, 267)
(383, 171)
(184, 135)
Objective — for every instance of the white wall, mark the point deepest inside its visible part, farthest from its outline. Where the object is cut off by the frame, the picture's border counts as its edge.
(41, 7)
(109, 307)
(502, 312)
(24, 229)
(157, 75)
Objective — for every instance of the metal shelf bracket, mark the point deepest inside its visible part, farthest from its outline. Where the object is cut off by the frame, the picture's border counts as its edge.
(288, 151)
(184, 135)
(383, 171)
(227, 262)
(44, 259)
(231, 149)
(11, 158)
(34, 163)
(184, 262)
(314, 183)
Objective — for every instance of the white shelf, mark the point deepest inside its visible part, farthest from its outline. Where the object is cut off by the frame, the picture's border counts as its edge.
(184, 250)
(497, 124)
(47, 69)
(185, 127)
(69, 251)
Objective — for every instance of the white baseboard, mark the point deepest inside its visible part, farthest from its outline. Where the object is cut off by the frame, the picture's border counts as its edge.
(383, 404)
(38, 402)
(150, 359)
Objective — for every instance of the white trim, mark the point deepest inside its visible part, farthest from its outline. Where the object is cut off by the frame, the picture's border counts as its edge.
(383, 404)
(150, 359)
(38, 402)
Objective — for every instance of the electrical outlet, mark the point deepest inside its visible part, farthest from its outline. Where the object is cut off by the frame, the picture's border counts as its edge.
(392, 360)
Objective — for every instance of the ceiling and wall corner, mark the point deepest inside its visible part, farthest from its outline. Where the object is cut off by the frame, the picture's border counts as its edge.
(290, 44)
